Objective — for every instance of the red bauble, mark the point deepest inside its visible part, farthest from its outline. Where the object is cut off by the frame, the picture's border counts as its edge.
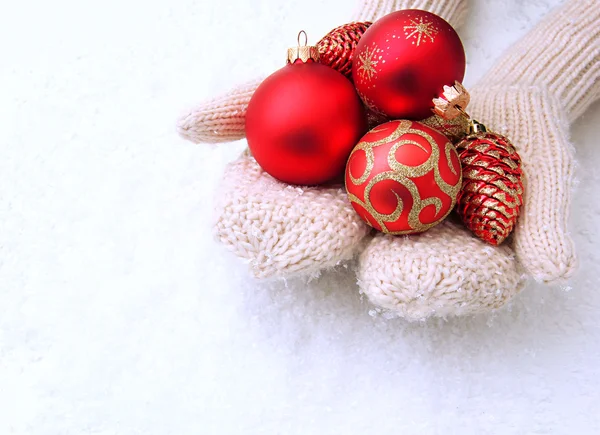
(302, 123)
(404, 60)
(403, 177)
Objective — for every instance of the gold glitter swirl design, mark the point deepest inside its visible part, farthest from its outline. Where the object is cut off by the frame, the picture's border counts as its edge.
(367, 147)
(404, 175)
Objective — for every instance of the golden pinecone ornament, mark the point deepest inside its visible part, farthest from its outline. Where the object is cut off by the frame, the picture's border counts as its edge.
(492, 189)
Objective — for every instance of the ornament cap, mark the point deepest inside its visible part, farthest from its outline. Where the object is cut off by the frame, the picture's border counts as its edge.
(453, 101)
(303, 52)
(476, 127)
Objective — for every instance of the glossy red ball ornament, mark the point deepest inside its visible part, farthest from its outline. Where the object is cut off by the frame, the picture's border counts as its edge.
(404, 60)
(403, 177)
(303, 121)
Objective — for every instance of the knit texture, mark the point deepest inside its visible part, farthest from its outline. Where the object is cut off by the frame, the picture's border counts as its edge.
(284, 230)
(534, 92)
(561, 54)
(444, 271)
(538, 128)
(222, 119)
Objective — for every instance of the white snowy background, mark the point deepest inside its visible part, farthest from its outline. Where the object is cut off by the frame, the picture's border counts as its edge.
(119, 314)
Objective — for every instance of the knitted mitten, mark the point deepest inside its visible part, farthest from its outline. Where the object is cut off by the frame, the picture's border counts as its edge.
(535, 91)
(284, 230)
(531, 95)
(279, 229)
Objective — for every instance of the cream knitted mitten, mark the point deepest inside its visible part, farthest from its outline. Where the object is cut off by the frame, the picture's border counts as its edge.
(284, 230)
(530, 96)
(535, 91)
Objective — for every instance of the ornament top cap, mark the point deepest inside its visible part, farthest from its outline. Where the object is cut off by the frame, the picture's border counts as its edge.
(302, 52)
(453, 101)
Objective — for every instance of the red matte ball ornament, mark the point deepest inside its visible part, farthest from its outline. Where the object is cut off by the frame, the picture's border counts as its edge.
(403, 177)
(303, 121)
(404, 60)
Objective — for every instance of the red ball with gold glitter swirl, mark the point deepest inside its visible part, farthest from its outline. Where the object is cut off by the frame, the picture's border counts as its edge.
(403, 177)
(404, 60)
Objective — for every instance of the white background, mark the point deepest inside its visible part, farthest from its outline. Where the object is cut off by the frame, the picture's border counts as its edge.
(119, 314)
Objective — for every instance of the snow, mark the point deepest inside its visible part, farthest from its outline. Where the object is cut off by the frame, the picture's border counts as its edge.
(119, 314)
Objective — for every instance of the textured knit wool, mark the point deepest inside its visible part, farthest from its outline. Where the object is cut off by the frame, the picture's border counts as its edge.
(543, 82)
(444, 271)
(561, 55)
(221, 119)
(284, 230)
(540, 239)
(530, 95)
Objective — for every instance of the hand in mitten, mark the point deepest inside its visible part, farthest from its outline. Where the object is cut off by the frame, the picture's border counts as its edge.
(282, 230)
(286, 230)
(531, 95)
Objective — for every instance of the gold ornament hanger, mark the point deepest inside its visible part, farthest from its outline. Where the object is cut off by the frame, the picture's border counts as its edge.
(303, 52)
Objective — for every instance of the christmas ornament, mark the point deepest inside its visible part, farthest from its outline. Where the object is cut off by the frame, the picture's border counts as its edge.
(304, 119)
(492, 189)
(404, 60)
(403, 177)
(336, 49)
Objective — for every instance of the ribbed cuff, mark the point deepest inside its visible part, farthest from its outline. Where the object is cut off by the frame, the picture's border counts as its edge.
(561, 54)
(221, 119)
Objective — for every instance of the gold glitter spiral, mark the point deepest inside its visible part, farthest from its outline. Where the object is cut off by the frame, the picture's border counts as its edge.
(404, 175)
